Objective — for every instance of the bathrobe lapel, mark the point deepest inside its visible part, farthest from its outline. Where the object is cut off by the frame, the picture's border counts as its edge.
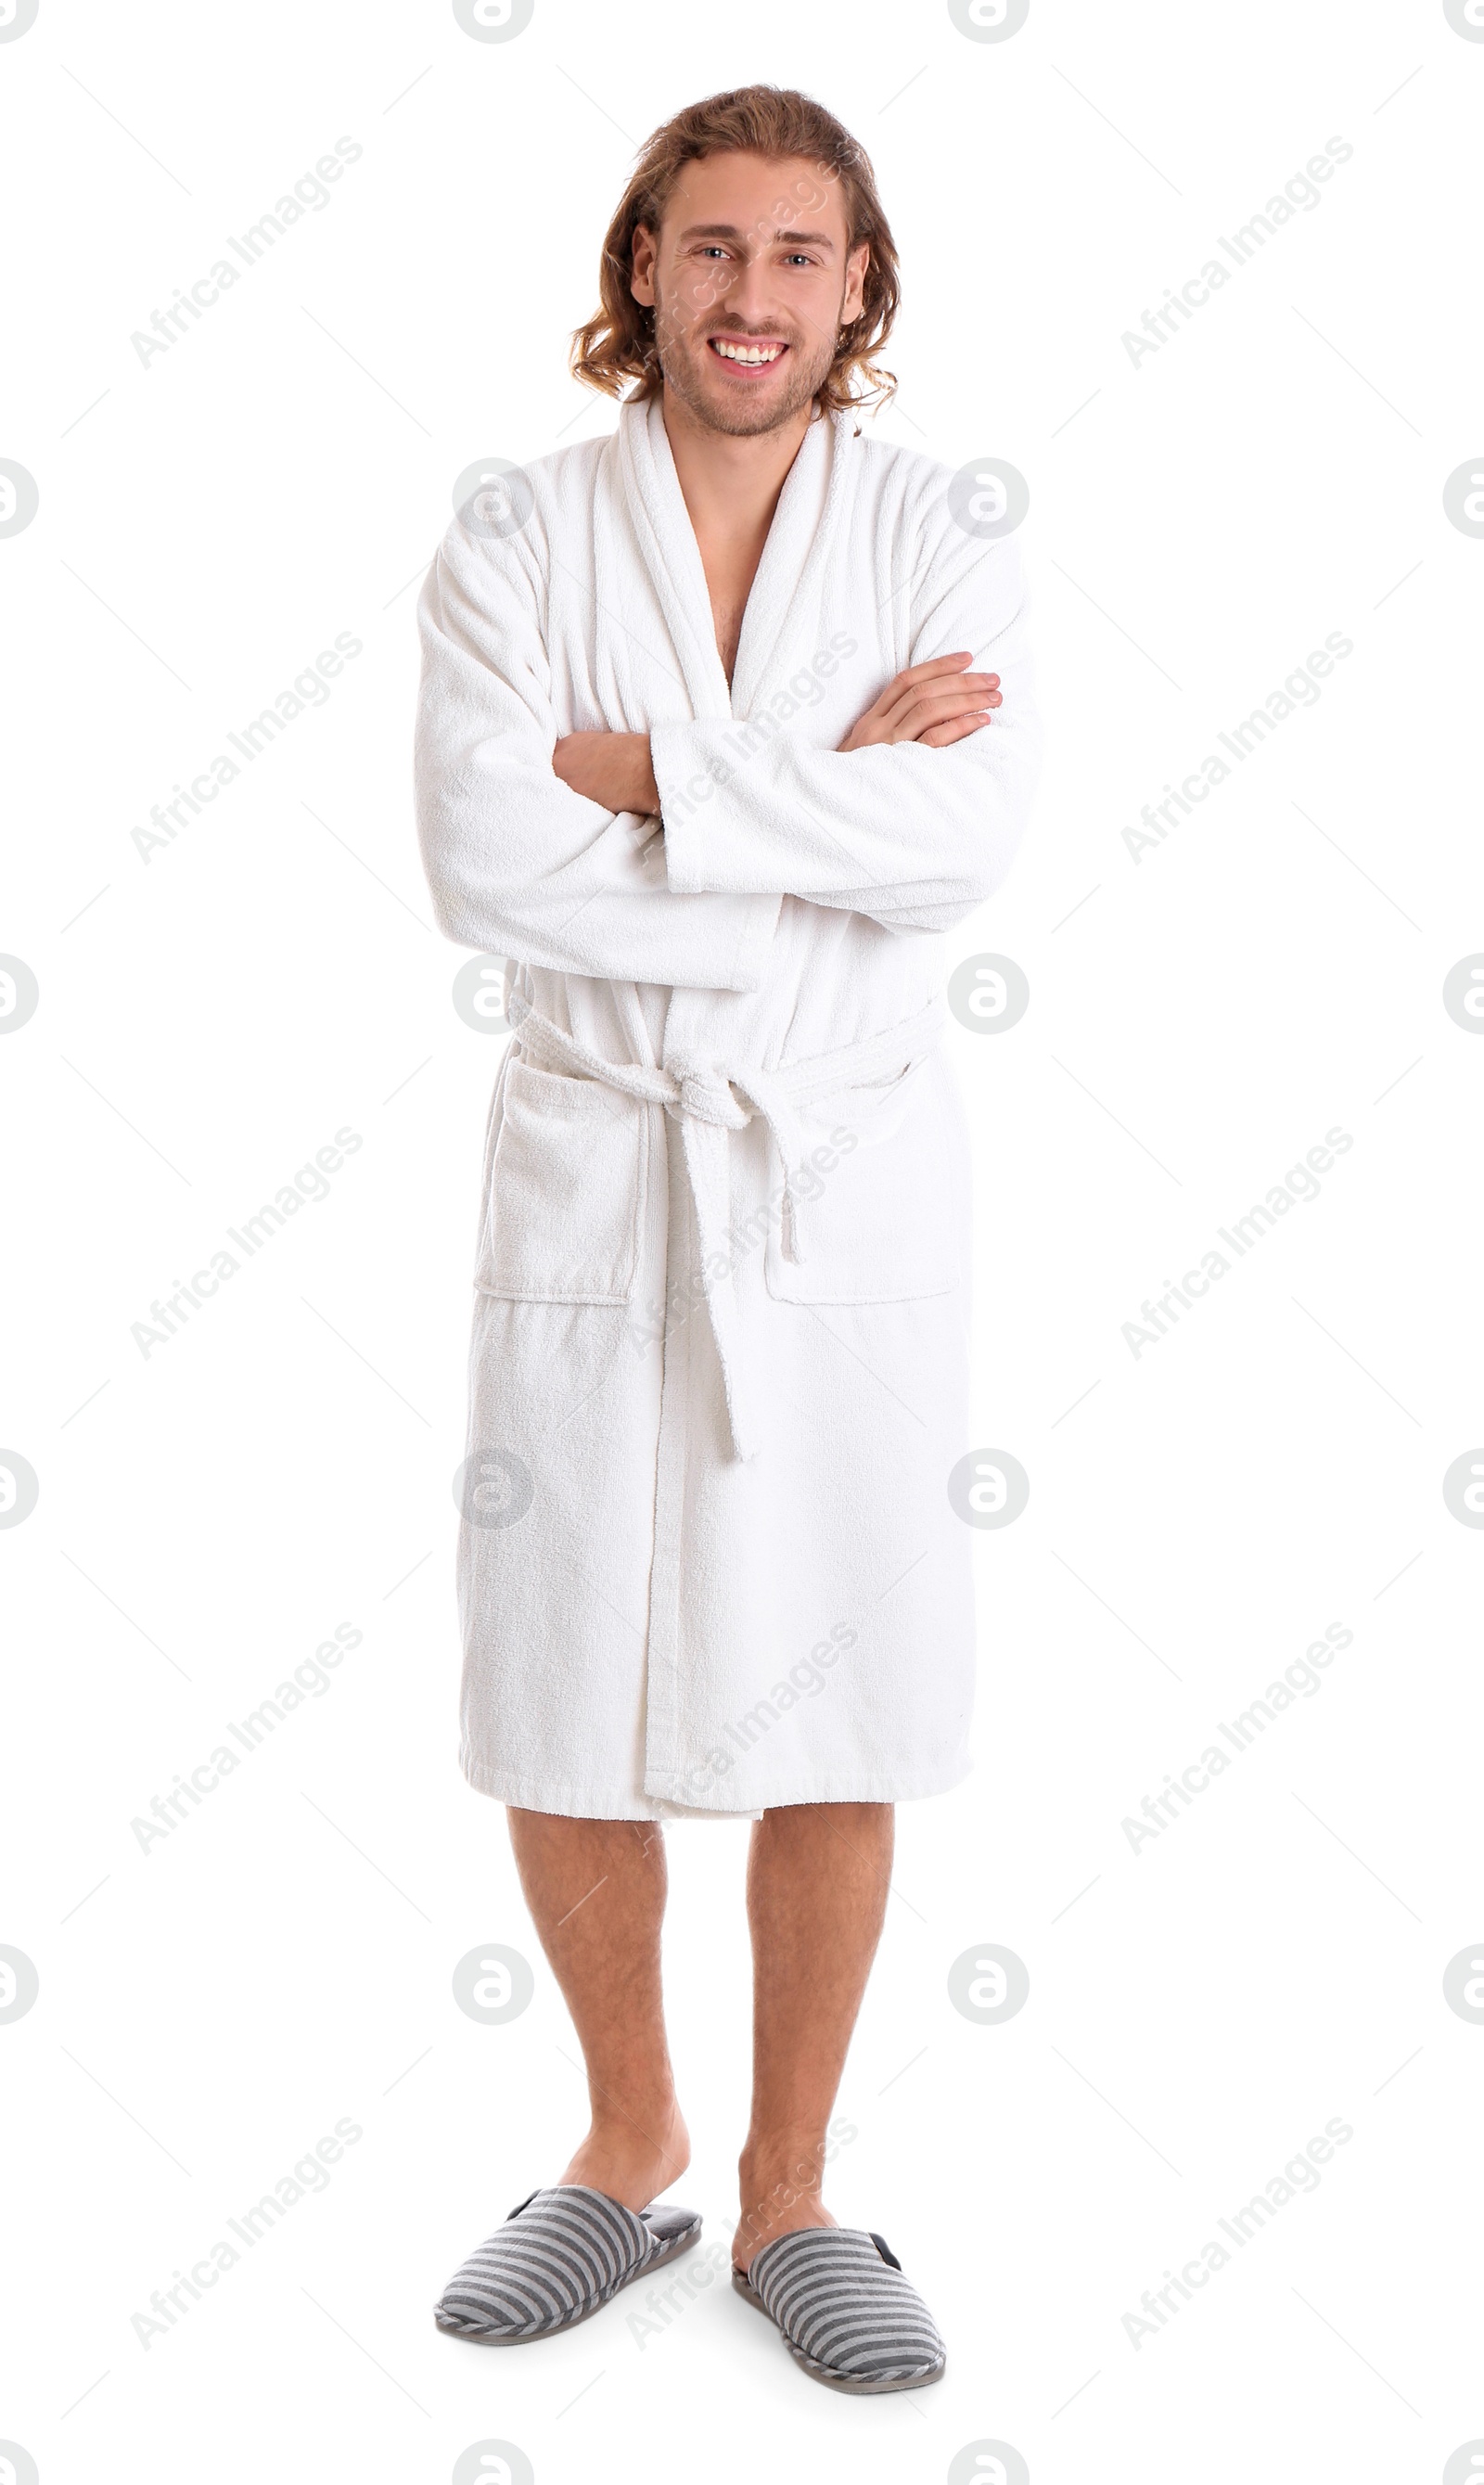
(785, 588)
(784, 596)
(662, 540)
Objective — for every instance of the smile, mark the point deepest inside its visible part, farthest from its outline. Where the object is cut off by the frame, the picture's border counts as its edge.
(748, 353)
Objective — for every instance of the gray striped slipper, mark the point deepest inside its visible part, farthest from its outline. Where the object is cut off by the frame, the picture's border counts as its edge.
(560, 2255)
(846, 2313)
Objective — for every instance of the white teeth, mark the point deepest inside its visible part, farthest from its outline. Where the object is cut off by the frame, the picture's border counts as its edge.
(748, 353)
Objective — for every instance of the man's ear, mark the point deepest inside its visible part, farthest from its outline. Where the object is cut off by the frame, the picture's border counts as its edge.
(642, 265)
(856, 266)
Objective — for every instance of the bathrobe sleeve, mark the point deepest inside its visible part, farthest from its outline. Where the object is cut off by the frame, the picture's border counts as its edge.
(911, 836)
(518, 863)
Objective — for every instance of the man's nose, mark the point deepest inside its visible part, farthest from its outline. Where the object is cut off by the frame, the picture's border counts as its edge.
(748, 295)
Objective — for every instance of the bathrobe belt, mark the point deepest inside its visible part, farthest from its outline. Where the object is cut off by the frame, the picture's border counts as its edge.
(707, 1102)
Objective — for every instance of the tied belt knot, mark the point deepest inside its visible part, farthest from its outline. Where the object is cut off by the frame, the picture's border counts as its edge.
(707, 1103)
(705, 1096)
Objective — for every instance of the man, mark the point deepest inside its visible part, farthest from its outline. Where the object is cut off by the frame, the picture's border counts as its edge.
(709, 750)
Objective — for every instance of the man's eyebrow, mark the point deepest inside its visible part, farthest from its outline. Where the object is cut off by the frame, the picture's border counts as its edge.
(735, 232)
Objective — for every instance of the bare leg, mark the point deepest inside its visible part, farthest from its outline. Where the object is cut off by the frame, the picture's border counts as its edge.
(596, 1892)
(816, 1892)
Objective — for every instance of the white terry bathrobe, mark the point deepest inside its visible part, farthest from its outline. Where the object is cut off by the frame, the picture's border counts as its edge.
(718, 1377)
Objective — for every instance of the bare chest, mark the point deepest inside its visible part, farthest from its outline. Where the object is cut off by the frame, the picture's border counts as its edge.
(730, 573)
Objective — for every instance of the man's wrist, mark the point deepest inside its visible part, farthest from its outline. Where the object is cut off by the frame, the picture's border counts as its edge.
(648, 793)
(614, 769)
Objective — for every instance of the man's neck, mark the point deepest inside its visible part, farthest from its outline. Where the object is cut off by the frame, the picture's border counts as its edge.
(729, 482)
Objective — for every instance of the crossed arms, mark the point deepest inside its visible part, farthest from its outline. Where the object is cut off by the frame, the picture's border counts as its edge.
(543, 846)
(936, 702)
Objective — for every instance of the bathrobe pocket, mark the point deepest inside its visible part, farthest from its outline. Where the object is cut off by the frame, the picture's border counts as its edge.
(879, 1197)
(564, 1191)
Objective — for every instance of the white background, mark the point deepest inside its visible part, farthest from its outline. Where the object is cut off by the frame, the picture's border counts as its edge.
(1198, 1019)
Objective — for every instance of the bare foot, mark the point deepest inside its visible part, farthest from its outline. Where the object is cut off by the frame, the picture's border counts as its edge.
(779, 2195)
(631, 2165)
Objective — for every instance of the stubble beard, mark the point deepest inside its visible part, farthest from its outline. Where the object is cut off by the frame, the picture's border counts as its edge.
(737, 420)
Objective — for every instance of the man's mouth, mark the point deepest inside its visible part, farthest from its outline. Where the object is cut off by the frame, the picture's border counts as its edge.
(748, 353)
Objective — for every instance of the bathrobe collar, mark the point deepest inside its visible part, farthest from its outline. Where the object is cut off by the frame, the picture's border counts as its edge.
(804, 525)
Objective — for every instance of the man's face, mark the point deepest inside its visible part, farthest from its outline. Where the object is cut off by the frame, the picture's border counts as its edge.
(751, 280)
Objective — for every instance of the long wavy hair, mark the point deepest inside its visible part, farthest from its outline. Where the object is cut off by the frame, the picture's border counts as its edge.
(617, 345)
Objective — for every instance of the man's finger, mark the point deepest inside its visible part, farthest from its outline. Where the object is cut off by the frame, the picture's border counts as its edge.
(938, 707)
(939, 736)
(935, 667)
(930, 665)
(899, 699)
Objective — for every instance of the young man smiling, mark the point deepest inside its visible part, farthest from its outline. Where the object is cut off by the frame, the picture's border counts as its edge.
(724, 721)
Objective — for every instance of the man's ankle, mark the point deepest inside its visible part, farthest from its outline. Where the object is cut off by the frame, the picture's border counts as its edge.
(640, 2155)
(780, 2182)
(793, 2159)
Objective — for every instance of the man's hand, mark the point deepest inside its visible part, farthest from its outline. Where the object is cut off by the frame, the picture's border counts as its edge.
(937, 702)
(610, 768)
